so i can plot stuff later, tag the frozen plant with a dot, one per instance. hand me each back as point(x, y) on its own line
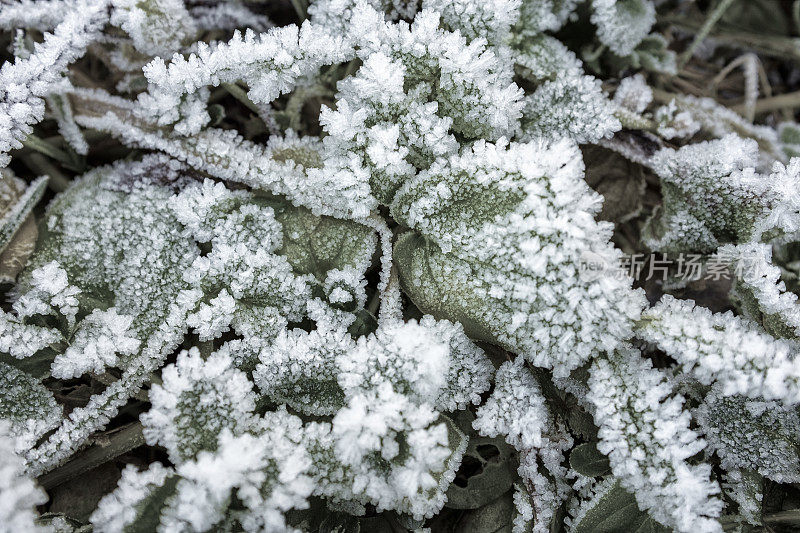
point(371, 265)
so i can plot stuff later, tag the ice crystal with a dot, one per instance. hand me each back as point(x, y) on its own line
point(725, 349)
point(196, 401)
point(27, 81)
point(645, 432)
point(20, 494)
point(713, 195)
point(492, 224)
point(752, 434)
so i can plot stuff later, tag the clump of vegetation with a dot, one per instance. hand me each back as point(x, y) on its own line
point(400, 265)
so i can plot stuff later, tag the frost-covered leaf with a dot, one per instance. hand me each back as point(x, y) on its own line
point(16, 203)
point(645, 433)
point(409, 453)
point(745, 487)
point(753, 435)
point(116, 243)
point(266, 472)
point(427, 361)
point(725, 349)
point(650, 54)
point(27, 405)
point(299, 369)
point(542, 58)
point(137, 502)
point(156, 27)
point(489, 20)
point(587, 460)
point(537, 16)
point(100, 338)
point(197, 400)
point(21, 341)
point(501, 228)
point(111, 241)
point(713, 195)
point(248, 483)
point(337, 252)
point(18, 492)
point(759, 290)
point(516, 409)
point(570, 106)
point(622, 24)
point(613, 509)
point(524, 514)
point(27, 80)
point(719, 121)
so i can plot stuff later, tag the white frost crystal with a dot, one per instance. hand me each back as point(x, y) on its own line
point(645, 433)
point(516, 409)
point(384, 449)
point(156, 27)
point(430, 361)
point(622, 24)
point(725, 349)
point(713, 195)
point(101, 336)
point(752, 434)
point(27, 406)
point(299, 369)
point(19, 494)
point(50, 293)
point(197, 400)
point(117, 510)
point(25, 82)
point(501, 233)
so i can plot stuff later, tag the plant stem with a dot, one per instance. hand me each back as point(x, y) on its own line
point(301, 8)
point(705, 29)
point(774, 103)
point(240, 94)
point(770, 45)
point(40, 145)
point(784, 517)
point(123, 441)
point(41, 165)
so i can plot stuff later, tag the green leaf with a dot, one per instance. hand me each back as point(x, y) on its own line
point(148, 510)
point(753, 435)
point(487, 470)
point(586, 459)
point(614, 510)
point(339, 523)
point(651, 54)
point(27, 404)
point(494, 517)
point(97, 229)
point(38, 365)
point(317, 245)
point(424, 274)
